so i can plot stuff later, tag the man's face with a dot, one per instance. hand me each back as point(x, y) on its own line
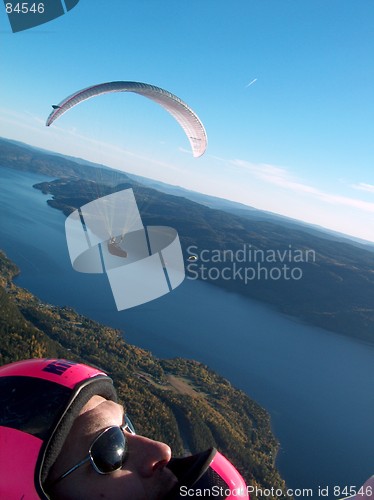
point(143, 476)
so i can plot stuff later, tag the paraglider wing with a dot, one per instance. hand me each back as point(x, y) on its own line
point(184, 115)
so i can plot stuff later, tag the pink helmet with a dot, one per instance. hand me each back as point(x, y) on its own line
point(39, 400)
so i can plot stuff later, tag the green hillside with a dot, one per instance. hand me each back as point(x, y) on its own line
point(195, 407)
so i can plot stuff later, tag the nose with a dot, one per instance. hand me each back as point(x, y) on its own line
point(147, 455)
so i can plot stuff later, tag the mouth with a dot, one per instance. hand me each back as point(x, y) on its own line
point(168, 482)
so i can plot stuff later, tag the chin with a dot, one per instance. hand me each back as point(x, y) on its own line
point(166, 481)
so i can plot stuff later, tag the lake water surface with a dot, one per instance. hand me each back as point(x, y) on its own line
point(317, 385)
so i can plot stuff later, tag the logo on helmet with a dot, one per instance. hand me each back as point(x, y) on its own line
point(58, 367)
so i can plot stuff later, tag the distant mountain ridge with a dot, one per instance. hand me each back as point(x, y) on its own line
point(334, 290)
point(243, 210)
point(230, 206)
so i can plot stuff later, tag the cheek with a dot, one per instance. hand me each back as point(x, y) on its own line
point(122, 485)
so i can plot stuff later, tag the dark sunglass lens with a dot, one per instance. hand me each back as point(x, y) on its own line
point(108, 452)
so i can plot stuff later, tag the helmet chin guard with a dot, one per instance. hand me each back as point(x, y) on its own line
point(206, 474)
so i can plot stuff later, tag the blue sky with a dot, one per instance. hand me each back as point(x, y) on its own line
point(298, 141)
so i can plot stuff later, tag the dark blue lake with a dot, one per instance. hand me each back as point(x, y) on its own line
point(317, 385)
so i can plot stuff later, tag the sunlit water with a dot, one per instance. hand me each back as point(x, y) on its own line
point(316, 385)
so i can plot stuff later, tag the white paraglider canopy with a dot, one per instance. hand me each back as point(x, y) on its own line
point(182, 113)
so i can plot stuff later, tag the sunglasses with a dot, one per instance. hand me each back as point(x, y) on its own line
point(108, 452)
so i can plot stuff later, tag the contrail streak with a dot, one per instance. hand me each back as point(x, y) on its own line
point(251, 83)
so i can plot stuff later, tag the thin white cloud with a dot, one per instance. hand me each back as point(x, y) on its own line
point(362, 186)
point(185, 151)
point(14, 119)
point(116, 153)
point(50, 138)
point(279, 176)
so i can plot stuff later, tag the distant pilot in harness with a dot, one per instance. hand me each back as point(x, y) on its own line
point(64, 436)
point(114, 247)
